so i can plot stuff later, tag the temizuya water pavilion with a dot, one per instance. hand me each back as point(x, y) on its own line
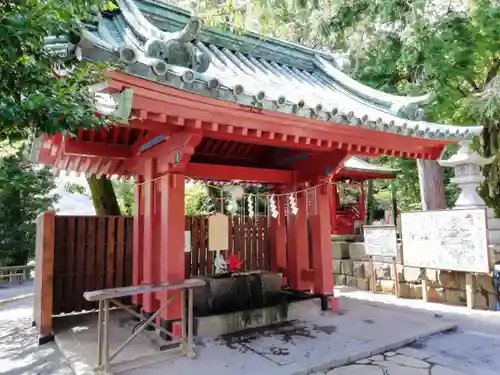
point(210, 105)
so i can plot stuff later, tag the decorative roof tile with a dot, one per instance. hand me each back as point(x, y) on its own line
point(287, 78)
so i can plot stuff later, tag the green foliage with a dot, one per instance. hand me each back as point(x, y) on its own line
point(32, 96)
point(25, 192)
point(124, 191)
point(197, 200)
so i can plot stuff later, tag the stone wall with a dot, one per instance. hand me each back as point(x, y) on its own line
point(351, 268)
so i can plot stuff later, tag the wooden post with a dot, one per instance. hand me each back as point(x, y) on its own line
point(425, 295)
point(332, 194)
point(396, 276)
point(373, 278)
point(278, 239)
point(362, 206)
point(298, 245)
point(44, 274)
point(321, 244)
point(171, 247)
point(148, 259)
point(137, 265)
point(470, 289)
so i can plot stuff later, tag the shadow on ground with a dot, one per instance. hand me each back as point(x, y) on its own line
point(19, 350)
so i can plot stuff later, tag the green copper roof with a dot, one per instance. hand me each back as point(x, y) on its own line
point(165, 44)
point(356, 164)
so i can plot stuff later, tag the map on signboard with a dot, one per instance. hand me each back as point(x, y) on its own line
point(380, 240)
point(455, 240)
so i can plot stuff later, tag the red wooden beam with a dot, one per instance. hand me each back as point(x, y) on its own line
point(227, 173)
point(91, 149)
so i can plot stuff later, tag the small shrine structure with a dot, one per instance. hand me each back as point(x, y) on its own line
point(196, 102)
point(355, 171)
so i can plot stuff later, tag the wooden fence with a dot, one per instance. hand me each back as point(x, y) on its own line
point(90, 253)
point(248, 240)
point(75, 254)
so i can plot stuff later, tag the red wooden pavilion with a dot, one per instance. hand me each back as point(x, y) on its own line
point(201, 103)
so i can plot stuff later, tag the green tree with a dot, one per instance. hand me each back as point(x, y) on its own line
point(44, 89)
point(25, 192)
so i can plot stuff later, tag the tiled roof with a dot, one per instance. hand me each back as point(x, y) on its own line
point(268, 74)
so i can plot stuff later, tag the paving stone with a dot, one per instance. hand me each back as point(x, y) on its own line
point(377, 357)
point(408, 361)
point(356, 370)
point(390, 354)
point(440, 370)
point(413, 352)
point(363, 361)
point(395, 369)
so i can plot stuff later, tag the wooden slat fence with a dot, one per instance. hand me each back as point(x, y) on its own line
point(248, 240)
point(90, 253)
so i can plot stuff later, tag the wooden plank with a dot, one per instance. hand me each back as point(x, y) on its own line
point(69, 296)
point(248, 243)
point(260, 243)
point(99, 295)
point(195, 243)
point(241, 241)
point(187, 255)
point(266, 246)
point(100, 254)
point(120, 252)
point(202, 247)
point(59, 263)
point(210, 269)
point(90, 258)
point(129, 249)
point(80, 263)
point(110, 252)
point(44, 273)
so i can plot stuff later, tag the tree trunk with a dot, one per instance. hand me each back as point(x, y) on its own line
point(103, 196)
point(430, 176)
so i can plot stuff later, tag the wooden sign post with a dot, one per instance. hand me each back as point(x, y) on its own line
point(452, 240)
point(381, 241)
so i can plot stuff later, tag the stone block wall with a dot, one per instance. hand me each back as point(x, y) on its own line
point(351, 268)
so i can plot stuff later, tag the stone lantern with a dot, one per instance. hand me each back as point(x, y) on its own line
point(467, 165)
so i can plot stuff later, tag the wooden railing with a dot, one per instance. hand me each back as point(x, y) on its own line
point(16, 274)
point(108, 296)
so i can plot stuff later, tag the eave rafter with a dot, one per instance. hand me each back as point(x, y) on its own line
point(162, 108)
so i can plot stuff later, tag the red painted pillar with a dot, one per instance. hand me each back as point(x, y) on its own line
point(332, 200)
point(172, 258)
point(150, 304)
point(322, 250)
point(137, 265)
point(362, 206)
point(278, 240)
point(298, 245)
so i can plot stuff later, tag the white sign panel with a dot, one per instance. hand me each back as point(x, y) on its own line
point(455, 240)
point(187, 241)
point(380, 240)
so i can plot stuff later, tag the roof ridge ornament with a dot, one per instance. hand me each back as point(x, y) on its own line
point(175, 48)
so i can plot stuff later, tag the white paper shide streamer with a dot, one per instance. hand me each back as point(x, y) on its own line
point(251, 212)
point(293, 204)
point(272, 207)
